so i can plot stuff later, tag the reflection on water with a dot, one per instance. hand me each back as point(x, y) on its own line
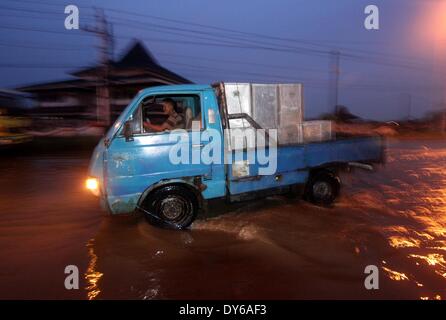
point(394, 218)
point(272, 248)
point(413, 187)
point(432, 259)
point(402, 242)
point(92, 276)
point(394, 275)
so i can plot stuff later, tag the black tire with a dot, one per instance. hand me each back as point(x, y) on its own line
point(323, 188)
point(172, 207)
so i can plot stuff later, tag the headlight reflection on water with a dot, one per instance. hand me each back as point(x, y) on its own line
point(92, 276)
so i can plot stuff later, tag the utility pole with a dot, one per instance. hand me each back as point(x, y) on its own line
point(409, 107)
point(406, 106)
point(104, 31)
point(334, 80)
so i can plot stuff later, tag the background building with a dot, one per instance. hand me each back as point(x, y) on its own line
point(116, 83)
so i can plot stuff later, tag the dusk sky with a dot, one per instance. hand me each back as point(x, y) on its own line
point(382, 71)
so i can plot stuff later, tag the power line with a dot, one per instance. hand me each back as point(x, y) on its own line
point(353, 55)
point(240, 62)
point(275, 38)
point(51, 48)
point(83, 48)
point(31, 66)
point(67, 32)
point(220, 43)
point(300, 41)
point(189, 23)
point(39, 12)
point(300, 50)
point(181, 31)
point(235, 71)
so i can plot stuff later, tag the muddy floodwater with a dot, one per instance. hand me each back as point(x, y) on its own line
point(275, 248)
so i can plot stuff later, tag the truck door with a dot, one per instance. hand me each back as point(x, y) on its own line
point(135, 164)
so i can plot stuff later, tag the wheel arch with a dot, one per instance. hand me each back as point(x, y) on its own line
point(173, 182)
point(332, 168)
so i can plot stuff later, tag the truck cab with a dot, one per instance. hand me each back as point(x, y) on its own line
point(169, 175)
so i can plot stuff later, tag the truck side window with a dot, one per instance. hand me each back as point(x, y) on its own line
point(170, 112)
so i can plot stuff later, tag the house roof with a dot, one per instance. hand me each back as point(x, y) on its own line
point(139, 60)
point(137, 56)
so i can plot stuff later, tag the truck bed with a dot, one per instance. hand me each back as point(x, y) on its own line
point(295, 162)
point(317, 154)
point(359, 149)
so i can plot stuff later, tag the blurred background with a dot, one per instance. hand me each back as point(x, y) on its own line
point(61, 89)
point(75, 82)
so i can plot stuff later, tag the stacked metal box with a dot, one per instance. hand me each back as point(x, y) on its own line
point(276, 106)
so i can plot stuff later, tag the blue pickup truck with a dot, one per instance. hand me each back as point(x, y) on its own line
point(137, 169)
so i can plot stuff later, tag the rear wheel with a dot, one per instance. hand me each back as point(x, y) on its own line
point(173, 207)
point(323, 188)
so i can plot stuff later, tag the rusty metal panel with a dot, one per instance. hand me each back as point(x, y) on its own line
point(275, 106)
point(238, 97)
point(314, 131)
point(291, 134)
point(291, 104)
point(238, 100)
point(305, 132)
point(240, 169)
point(265, 105)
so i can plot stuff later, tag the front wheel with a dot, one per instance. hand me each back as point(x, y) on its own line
point(323, 188)
point(172, 207)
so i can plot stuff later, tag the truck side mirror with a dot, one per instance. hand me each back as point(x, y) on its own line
point(128, 131)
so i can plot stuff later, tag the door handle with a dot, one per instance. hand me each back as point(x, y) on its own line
point(197, 145)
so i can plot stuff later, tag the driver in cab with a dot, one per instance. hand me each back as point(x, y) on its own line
point(174, 120)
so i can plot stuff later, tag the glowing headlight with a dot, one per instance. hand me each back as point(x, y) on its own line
point(92, 185)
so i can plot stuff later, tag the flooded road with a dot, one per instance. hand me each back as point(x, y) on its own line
point(275, 248)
